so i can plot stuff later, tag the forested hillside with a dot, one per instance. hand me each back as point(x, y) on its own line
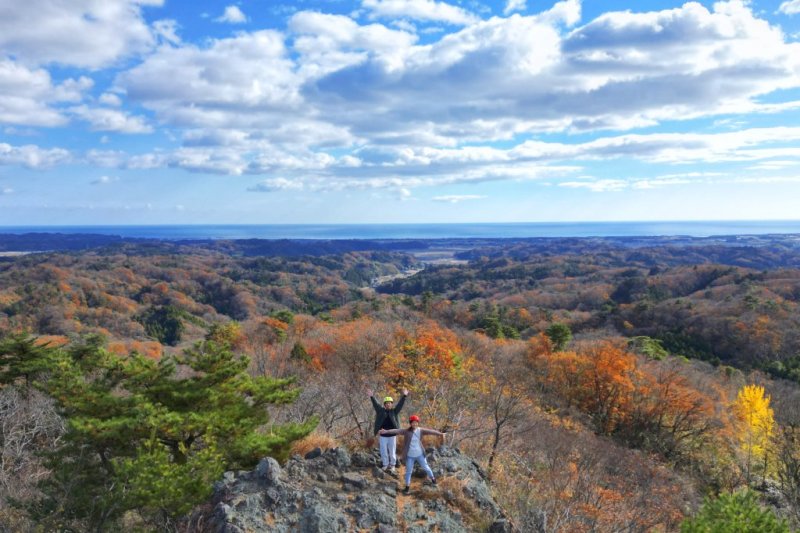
point(602, 386)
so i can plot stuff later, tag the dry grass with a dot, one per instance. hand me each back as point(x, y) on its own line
point(452, 490)
point(313, 441)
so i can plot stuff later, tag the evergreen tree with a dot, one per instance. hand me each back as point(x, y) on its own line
point(153, 436)
point(164, 324)
point(559, 334)
point(299, 353)
point(21, 358)
point(734, 513)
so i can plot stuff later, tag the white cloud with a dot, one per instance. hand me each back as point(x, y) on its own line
point(81, 33)
point(603, 185)
point(328, 43)
point(376, 86)
point(232, 15)
point(775, 164)
point(276, 184)
point(426, 10)
point(167, 31)
point(31, 156)
point(791, 7)
point(401, 114)
point(105, 119)
point(248, 79)
point(6, 190)
point(456, 198)
point(690, 62)
point(769, 179)
point(110, 99)
point(514, 5)
point(30, 97)
point(412, 167)
point(105, 180)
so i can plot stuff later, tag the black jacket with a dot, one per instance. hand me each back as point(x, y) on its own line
point(381, 413)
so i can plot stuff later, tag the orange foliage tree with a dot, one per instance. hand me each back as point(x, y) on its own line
point(599, 379)
point(431, 363)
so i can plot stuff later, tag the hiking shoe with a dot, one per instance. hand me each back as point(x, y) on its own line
point(407, 489)
point(433, 482)
point(392, 471)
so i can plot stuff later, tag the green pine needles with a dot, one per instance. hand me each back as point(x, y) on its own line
point(146, 435)
point(737, 512)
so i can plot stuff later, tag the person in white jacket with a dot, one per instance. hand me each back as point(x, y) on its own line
point(413, 450)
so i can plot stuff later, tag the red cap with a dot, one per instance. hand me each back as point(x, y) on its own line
point(413, 418)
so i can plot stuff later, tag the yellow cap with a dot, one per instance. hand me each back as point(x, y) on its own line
point(388, 399)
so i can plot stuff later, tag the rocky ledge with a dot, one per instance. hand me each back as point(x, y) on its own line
point(334, 491)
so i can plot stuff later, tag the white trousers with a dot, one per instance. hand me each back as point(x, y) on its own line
point(388, 450)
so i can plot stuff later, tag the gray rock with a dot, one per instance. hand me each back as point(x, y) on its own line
point(269, 471)
point(501, 526)
point(300, 497)
point(316, 452)
point(321, 518)
point(366, 459)
point(338, 457)
point(355, 480)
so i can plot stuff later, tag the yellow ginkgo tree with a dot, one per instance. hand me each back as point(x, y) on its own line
point(755, 426)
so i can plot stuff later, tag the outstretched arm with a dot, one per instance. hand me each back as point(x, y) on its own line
point(390, 432)
point(401, 402)
point(428, 431)
point(375, 404)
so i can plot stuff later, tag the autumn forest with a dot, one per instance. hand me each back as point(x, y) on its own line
point(601, 384)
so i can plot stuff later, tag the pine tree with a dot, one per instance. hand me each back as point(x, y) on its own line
point(734, 513)
point(559, 334)
point(153, 436)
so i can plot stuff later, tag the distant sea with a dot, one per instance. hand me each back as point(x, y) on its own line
point(427, 231)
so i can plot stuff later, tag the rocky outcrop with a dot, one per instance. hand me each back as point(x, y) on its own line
point(333, 491)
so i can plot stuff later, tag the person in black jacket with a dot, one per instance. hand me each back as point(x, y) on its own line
point(386, 418)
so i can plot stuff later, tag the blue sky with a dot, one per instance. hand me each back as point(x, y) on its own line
point(381, 111)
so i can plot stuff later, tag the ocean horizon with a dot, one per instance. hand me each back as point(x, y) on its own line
point(424, 231)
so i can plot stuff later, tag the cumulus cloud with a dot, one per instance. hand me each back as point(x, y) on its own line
point(514, 5)
point(456, 198)
point(396, 168)
point(232, 15)
point(401, 113)
point(105, 119)
point(167, 31)
point(31, 98)
point(377, 86)
point(329, 43)
point(110, 99)
point(247, 80)
point(426, 10)
point(791, 7)
point(81, 33)
point(31, 156)
point(689, 61)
